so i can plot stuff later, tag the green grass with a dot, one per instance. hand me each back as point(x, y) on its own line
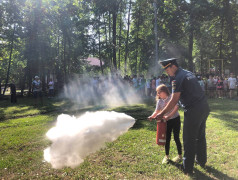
point(134, 155)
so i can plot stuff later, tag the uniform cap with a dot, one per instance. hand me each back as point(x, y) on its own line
point(36, 77)
point(168, 62)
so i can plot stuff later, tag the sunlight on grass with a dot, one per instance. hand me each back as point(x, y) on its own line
point(20, 111)
point(134, 155)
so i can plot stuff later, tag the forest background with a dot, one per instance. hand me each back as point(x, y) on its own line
point(52, 38)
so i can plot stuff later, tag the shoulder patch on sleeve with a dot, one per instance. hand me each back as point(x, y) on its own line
point(173, 85)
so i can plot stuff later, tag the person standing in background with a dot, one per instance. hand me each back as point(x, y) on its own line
point(51, 88)
point(232, 85)
point(225, 87)
point(134, 81)
point(237, 85)
point(201, 82)
point(148, 87)
point(37, 90)
point(211, 87)
point(220, 87)
point(158, 81)
point(143, 82)
point(153, 86)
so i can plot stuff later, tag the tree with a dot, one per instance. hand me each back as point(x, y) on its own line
point(229, 16)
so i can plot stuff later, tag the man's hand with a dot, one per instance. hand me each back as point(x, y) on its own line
point(159, 117)
point(166, 118)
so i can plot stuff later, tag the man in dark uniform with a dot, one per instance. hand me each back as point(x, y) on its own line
point(185, 87)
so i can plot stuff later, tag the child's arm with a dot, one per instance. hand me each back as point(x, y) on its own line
point(154, 114)
point(167, 117)
point(157, 111)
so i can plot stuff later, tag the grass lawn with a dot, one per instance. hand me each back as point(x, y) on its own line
point(134, 155)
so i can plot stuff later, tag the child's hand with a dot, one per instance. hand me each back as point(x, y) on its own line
point(166, 118)
point(150, 118)
point(159, 117)
point(158, 121)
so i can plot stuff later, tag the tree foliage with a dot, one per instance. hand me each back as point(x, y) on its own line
point(54, 37)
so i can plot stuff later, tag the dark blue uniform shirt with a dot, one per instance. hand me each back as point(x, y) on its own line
point(187, 84)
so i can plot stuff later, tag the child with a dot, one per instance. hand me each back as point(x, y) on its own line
point(51, 88)
point(211, 87)
point(220, 87)
point(37, 89)
point(173, 122)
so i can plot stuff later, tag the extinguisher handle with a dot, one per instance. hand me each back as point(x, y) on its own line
point(162, 120)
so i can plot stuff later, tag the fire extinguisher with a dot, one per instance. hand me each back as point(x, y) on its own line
point(161, 132)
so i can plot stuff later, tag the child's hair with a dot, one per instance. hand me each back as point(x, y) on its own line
point(161, 88)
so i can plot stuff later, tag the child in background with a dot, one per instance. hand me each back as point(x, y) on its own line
point(148, 87)
point(51, 88)
point(37, 90)
point(220, 87)
point(173, 122)
point(232, 85)
point(225, 87)
point(211, 87)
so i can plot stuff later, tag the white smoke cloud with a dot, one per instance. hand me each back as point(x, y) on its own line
point(110, 91)
point(75, 138)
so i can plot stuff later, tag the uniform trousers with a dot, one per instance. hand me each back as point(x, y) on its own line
point(194, 136)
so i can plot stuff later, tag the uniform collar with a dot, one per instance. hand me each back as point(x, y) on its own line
point(179, 69)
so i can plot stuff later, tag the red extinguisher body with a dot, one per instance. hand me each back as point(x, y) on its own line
point(161, 133)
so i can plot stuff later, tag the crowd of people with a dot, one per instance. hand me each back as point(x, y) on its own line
point(221, 86)
point(215, 86)
point(37, 89)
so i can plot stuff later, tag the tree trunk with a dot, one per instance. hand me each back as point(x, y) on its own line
point(10, 59)
point(191, 34)
point(190, 50)
point(156, 35)
point(114, 30)
point(220, 46)
point(23, 83)
point(127, 39)
point(29, 76)
point(201, 64)
point(69, 55)
point(232, 35)
point(64, 58)
point(107, 47)
point(33, 65)
point(137, 40)
point(119, 52)
point(99, 45)
point(110, 42)
point(105, 28)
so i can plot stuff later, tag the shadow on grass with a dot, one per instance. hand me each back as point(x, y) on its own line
point(217, 174)
point(213, 173)
point(231, 123)
point(2, 115)
point(26, 107)
point(140, 113)
point(224, 111)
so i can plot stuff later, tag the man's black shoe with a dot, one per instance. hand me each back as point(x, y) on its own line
point(189, 173)
point(202, 165)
